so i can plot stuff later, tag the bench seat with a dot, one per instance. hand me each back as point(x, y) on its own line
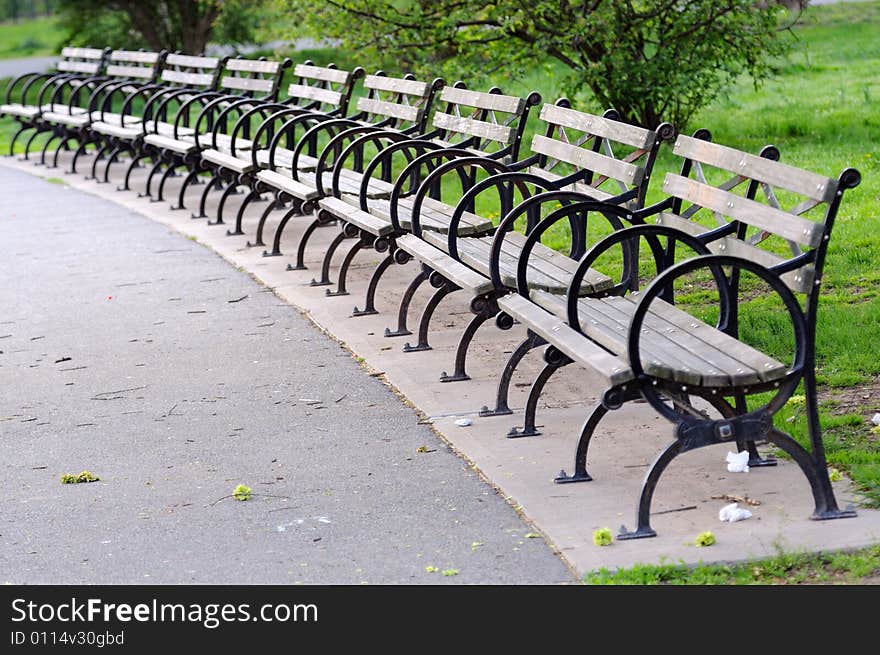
point(548, 270)
point(675, 345)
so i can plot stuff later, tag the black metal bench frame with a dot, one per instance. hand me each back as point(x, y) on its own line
point(627, 377)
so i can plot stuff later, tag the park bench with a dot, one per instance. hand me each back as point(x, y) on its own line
point(727, 207)
point(147, 108)
point(395, 106)
point(244, 84)
point(126, 71)
point(578, 156)
point(74, 67)
point(472, 124)
point(317, 94)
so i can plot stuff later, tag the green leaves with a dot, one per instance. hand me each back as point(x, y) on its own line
point(653, 60)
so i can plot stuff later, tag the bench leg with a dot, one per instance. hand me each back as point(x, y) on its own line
point(272, 206)
point(583, 447)
point(320, 221)
point(643, 513)
point(112, 157)
point(580, 459)
point(203, 200)
point(403, 310)
point(484, 308)
point(276, 241)
point(27, 144)
point(21, 130)
point(171, 171)
point(228, 191)
point(61, 146)
point(239, 215)
point(343, 270)
point(555, 360)
point(502, 407)
point(189, 179)
point(99, 156)
point(45, 148)
point(370, 302)
point(444, 288)
point(325, 265)
point(755, 459)
point(133, 164)
point(155, 169)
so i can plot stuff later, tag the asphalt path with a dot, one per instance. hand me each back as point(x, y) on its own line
point(134, 353)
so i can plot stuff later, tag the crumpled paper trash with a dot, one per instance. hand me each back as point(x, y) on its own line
point(738, 462)
point(733, 513)
point(876, 419)
point(463, 422)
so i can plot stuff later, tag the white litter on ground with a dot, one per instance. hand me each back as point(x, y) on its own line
point(876, 419)
point(463, 422)
point(733, 513)
point(738, 462)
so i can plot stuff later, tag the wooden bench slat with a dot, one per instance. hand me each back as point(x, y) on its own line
point(615, 370)
point(356, 216)
point(473, 127)
point(141, 72)
point(82, 53)
point(631, 135)
point(191, 61)
point(314, 93)
point(483, 100)
point(246, 84)
point(750, 212)
point(799, 280)
point(321, 73)
point(766, 368)
point(397, 85)
point(170, 143)
point(189, 79)
point(659, 357)
point(409, 113)
point(580, 187)
point(253, 65)
point(287, 184)
point(670, 338)
point(228, 161)
point(601, 164)
point(774, 173)
point(134, 56)
point(89, 67)
point(453, 270)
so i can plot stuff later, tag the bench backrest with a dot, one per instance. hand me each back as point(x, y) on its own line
point(322, 88)
point(88, 61)
point(191, 71)
point(134, 64)
point(253, 77)
point(597, 153)
point(400, 103)
point(749, 195)
point(488, 122)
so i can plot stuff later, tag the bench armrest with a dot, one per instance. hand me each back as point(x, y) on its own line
point(456, 165)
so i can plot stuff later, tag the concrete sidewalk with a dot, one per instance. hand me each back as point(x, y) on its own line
point(688, 497)
point(133, 352)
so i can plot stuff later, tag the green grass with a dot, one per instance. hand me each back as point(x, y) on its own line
point(29, 38)
point(784, 568)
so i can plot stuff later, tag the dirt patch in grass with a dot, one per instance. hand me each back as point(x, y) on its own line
point(861, 399)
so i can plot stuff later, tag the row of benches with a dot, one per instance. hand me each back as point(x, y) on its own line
point(420, 170)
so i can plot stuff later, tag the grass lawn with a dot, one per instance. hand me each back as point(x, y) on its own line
point(821, 110)
point(29, 38)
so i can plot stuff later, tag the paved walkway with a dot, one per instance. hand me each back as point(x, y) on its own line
point(137, 354)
